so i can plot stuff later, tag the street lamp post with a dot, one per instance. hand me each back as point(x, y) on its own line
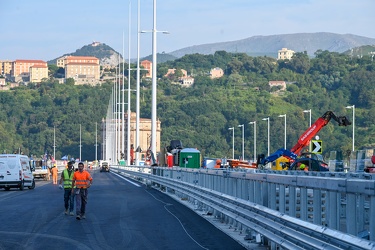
point(128, 160)
point(54, 143)
point(137, 109)
point(154, 84)
point(243, 140)
point(352, 107)
point(309, 111)
point(268, 134)
point(80, 142)
point(284, 129)
point(232, 128)
point(255, 139)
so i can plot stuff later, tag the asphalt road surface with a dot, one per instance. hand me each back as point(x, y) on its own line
point(120, 214)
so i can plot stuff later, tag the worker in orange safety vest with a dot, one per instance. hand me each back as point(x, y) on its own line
point(54, 171)
point(82, 180)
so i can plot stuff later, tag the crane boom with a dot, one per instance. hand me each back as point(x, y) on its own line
point(304, 139)
point(322, 121)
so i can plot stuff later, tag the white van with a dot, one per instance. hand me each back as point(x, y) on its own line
point(15, 172)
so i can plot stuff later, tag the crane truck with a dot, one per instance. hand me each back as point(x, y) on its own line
point(303, 140)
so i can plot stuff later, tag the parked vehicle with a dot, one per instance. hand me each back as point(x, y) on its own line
point(309, 162)
point(41, 172)
point(104, 166)
point(15, 172)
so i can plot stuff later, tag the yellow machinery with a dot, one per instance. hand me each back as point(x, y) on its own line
point(281, 163)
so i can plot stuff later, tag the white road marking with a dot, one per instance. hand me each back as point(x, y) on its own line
point(122, 177)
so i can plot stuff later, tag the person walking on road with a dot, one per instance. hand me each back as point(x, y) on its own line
point(82, 180)
point(54, 174)
point(67, 178)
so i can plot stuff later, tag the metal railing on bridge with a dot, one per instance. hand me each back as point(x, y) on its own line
point(291, 209)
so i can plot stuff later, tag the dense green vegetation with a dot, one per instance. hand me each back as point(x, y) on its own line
point(201, 115)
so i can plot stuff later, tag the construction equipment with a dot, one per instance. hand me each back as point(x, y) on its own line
point(304, 139)
point(371, 169)
point(234, 163)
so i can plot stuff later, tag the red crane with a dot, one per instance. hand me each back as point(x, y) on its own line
point(304, 139)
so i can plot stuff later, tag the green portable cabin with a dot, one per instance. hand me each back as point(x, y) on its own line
point(190, 158)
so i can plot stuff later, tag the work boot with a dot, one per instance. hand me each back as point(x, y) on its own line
point(66, 211)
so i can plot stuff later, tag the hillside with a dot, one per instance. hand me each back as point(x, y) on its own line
point(269, 45)
point(253, 46)
point(108, 56)
point(200, 116)
point(105, 53)
point(361, 51)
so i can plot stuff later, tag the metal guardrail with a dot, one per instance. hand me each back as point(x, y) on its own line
point(268, 203)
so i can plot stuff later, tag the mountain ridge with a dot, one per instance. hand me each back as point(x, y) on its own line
point(253, 46)
point(269, 45)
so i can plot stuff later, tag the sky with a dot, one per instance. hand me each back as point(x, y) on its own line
point(45, 30)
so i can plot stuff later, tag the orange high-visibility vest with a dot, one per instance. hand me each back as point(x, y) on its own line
point(82, 179)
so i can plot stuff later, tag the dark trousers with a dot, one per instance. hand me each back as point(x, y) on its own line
point(81, 200)
point(69, 199)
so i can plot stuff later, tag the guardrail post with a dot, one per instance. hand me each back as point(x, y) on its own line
point(244, 189)
point(361, 214)
point(292, 201)
point(372, 221)
point(351, 205)
point(332, 216)
point(257, 193)
point(317, 206)
point(264, 194)
point(303, 204)
point(281, 198)
point(273, 197)
point(251, 188)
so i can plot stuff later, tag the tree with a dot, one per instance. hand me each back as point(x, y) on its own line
point(300, 62)
point(69, 81)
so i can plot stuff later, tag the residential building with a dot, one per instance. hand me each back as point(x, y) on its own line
point(83, 69)
point(172, 72)
point(5, 67)
point(285, 53)
point(62, 61)
point(186, 81)
point(21, 69)
point(277, 83)
point(148, 66)
point(216, 73)
point(38, 72)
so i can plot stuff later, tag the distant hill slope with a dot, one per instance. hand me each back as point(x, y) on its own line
point(161, 57)
point(366, 50)
point(269, 45)
point(109, 56)
point(103, 52)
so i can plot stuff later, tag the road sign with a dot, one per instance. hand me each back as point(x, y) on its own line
point(317, 146)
